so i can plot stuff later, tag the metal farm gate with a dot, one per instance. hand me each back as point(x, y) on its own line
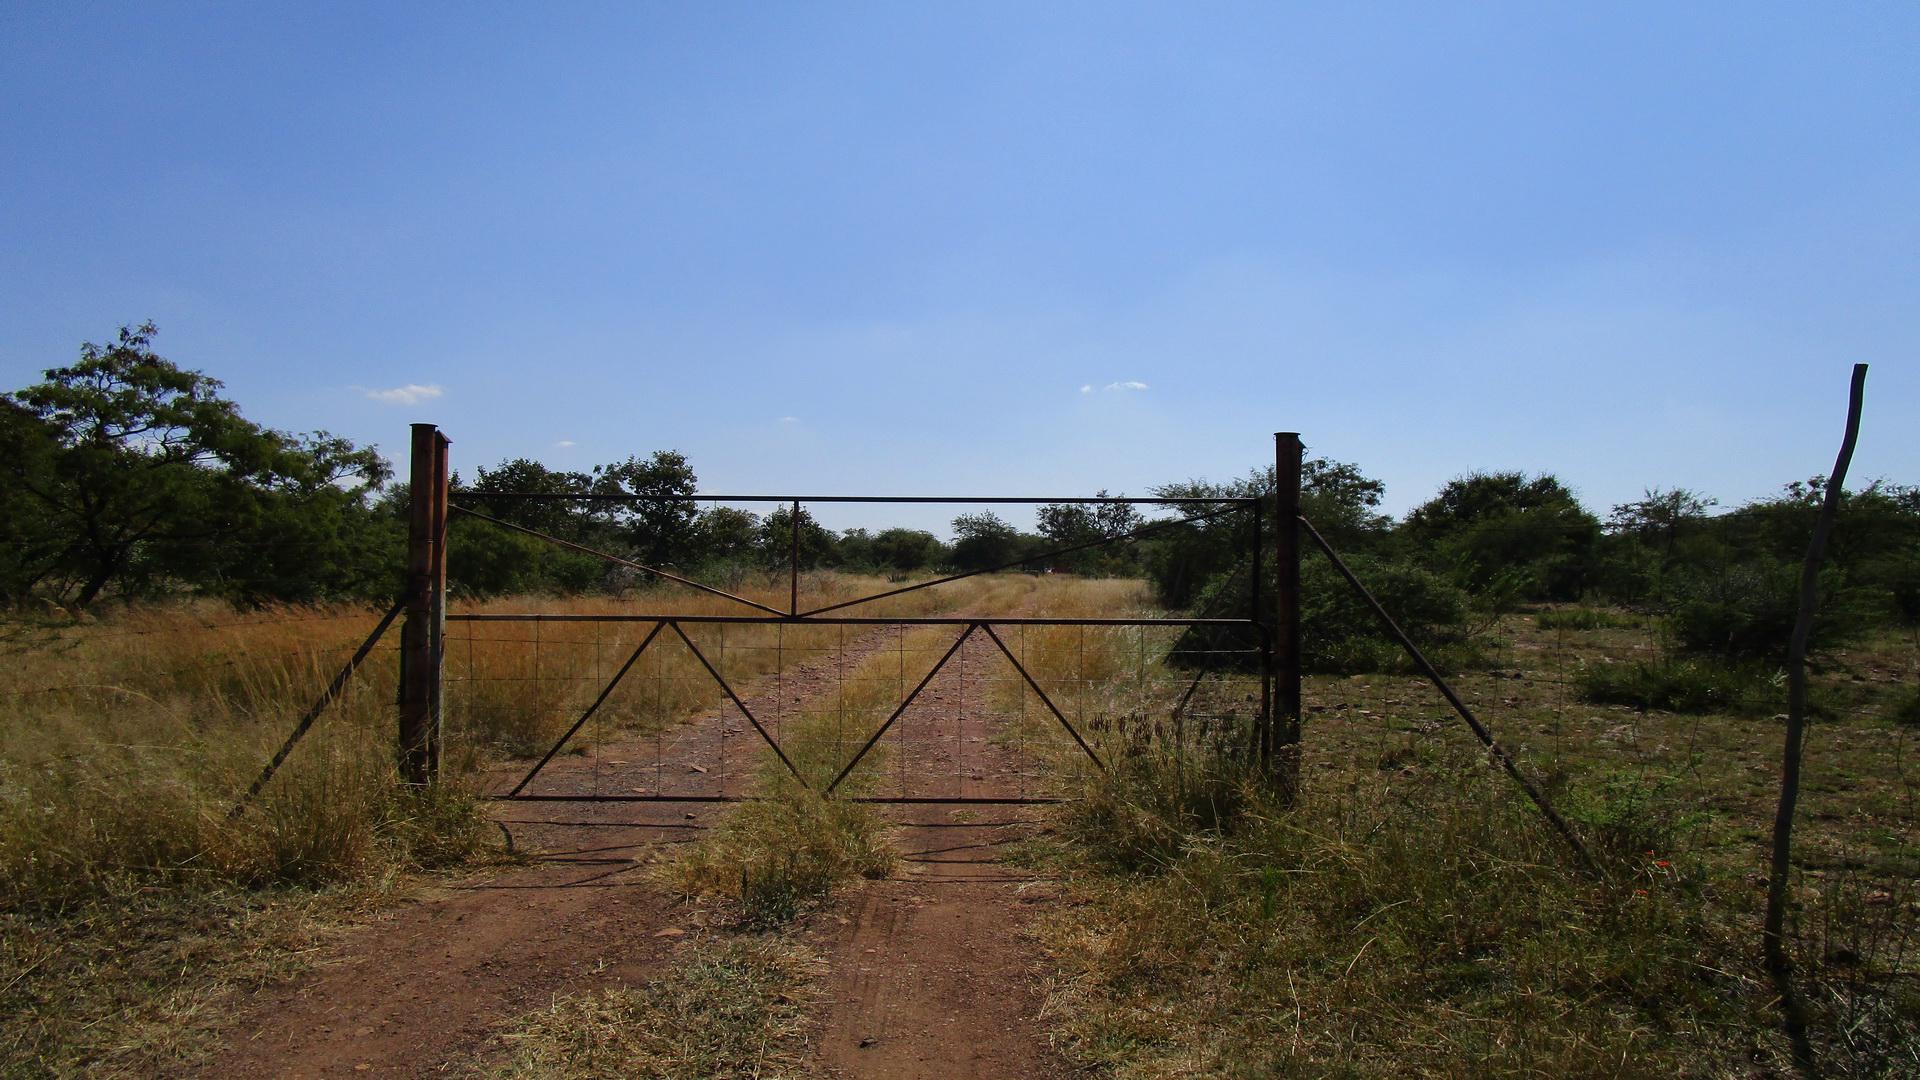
point(533, 683)
point(904, 694)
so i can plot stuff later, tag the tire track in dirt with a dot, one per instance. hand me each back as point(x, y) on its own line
point(931, 973)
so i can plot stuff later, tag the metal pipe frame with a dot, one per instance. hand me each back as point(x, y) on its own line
point(837, 620)
point(994, 500)
point(1211, 508)
point(607, 691)
point(983, 800)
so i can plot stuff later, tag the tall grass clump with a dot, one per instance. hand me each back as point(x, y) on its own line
point(1577, 618)
point(131, 895)
point(130, 743)
point(72, 832)
point(1145, 812)
point(774, 856)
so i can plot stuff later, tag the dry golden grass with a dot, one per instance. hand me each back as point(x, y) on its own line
point(514, 687)
point(128, 893)
point(728, 1008)
point(1409, 917)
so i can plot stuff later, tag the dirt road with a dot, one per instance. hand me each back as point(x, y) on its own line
point(927, 974)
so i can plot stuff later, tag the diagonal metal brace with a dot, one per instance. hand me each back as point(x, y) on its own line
point(617, 560)
point(327, 696)
point(1132, 534)
point(605, 693)
point(954, 648)
point(1492, 745)
point(1044, 699)
point(741, 705)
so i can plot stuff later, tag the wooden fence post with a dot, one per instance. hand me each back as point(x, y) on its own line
point(422, 634)
point(1773, 933)
point(1285, 721)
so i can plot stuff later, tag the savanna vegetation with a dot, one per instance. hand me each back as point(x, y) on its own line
point(184, 581)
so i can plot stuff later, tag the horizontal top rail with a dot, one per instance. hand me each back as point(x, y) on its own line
point(623, 497)
point(836, 620)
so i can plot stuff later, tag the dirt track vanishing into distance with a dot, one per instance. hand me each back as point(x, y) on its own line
point(927, 973)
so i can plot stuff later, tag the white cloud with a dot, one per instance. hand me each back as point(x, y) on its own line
point(410, 394)
point(1087, 389)
point(564, 443)
point(1130, 384)
point(789, 419)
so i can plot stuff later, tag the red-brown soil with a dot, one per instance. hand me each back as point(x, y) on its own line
point(928, 974)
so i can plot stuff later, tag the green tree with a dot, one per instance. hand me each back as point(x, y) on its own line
point(566, 518)
point(133, 465)
point(817, 546)
point(982, 540)
point(1507, 533)
point(1074, 524)
point(855, 547)
point(1185, 560)
point(31, 539)
point(907, 550)
point(727, 534)
point(660, 529)
point(1658, 518)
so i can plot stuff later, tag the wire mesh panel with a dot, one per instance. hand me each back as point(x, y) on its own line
point(616, 707)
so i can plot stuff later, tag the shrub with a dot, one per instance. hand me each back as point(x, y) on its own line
point(1902, 583)
point(1681, 686)
point(1749, 610)
point(1906, 711)
point(1339, 633)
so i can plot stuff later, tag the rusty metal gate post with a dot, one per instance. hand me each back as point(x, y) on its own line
point(1284, 720)
point(423, 634)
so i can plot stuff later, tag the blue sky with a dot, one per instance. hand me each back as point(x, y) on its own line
point(986, 248)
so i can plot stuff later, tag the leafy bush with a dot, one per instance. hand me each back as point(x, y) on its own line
point(1906, 712)
point(1749, 610)
point(486, 560)
point(1529, 530)
point(1681, 686)
point(1339, 633)
point(1902, 583)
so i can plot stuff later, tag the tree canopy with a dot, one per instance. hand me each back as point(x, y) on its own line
point(126, 468)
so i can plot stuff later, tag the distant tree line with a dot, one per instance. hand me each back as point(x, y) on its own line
point(1724, 584)
point(128, 476)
